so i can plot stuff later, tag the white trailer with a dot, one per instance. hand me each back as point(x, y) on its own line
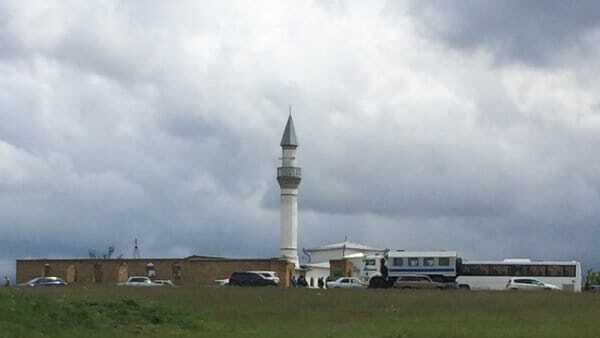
point(381, 271)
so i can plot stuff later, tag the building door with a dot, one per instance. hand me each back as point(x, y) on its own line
point(71, 274)
point(98, 273)
point(123, 273)
point(47, 270)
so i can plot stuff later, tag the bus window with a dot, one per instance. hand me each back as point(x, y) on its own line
point(398, 261)
point(554, 270)
point(569, 270)
point(499, 270)
point(444, 261)
point(413, 261)
point(428, 261)
point(537, 270)
point(518, 270)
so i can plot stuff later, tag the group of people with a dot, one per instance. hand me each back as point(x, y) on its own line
point(301, 282)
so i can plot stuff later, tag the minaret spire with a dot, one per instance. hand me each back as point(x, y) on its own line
point(289, 177)
point(289, 138)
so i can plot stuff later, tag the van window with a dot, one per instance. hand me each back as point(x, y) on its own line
point(444, 261)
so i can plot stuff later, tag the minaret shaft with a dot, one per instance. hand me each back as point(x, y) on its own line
point(289, 177)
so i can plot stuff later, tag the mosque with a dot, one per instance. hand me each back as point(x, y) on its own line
point(338, 259)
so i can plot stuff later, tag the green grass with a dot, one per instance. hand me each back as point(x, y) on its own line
point(272, 312)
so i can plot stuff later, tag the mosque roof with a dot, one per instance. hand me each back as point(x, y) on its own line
point(345, 244)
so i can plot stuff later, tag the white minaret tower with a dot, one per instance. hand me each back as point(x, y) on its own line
point(289, 176)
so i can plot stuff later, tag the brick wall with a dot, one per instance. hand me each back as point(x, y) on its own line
point(340, 268)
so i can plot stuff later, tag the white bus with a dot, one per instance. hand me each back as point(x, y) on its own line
point(494, 275)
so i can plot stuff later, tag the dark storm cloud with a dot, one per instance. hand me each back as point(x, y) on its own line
point(537, 33)
point(163, 123)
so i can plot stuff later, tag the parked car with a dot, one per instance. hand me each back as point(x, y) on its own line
point(45, 281)
point(272, 275)
point(346, 283)
point(139, 281)
point(419, 282)
point(250, 279)
point(165, 282)
point(593, 288)
point(517, 283)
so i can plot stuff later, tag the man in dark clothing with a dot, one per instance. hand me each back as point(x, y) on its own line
point(384, 270)
point(320, 282)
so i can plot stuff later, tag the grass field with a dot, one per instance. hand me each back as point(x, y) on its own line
point(272, 312)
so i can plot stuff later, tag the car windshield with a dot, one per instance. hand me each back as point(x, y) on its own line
point(268, 275)
point(138, 280)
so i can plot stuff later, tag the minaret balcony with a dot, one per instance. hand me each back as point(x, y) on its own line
point(291, 172)
point(289, 177)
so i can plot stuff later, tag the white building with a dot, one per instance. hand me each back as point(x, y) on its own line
point(340, 250)
point(318, 259)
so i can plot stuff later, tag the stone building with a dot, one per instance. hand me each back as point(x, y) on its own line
point(192, 270)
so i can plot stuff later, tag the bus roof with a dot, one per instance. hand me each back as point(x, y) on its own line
point(521, 262)
point(422, 254)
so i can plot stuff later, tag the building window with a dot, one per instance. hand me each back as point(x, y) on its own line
point(413, 261)
point(398, 261)
point(428, 261)
point(150, 271)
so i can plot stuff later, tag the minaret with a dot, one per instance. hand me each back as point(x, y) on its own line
point(289, 176)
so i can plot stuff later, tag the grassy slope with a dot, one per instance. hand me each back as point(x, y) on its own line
point(270, 312)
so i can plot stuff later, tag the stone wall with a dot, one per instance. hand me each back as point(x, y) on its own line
point(189, 271)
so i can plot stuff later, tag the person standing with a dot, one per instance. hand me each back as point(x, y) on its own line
point(6, 281)
point(292, 281)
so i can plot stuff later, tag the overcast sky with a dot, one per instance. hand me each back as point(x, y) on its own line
point(471, 126)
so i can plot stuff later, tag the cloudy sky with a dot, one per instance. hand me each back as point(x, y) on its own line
point(471, 125)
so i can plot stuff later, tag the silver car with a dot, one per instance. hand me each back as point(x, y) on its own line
point(520, 283)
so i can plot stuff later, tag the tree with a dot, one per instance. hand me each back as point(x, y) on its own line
point(593, 278)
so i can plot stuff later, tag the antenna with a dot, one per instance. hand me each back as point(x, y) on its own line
point(290, 109)
point(136, 249)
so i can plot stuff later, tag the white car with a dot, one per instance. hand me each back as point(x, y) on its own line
point(519, 283)
point(272, 275)
point(139, 281)
point(165, 282)
point(346, 283)
point(222, 282)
